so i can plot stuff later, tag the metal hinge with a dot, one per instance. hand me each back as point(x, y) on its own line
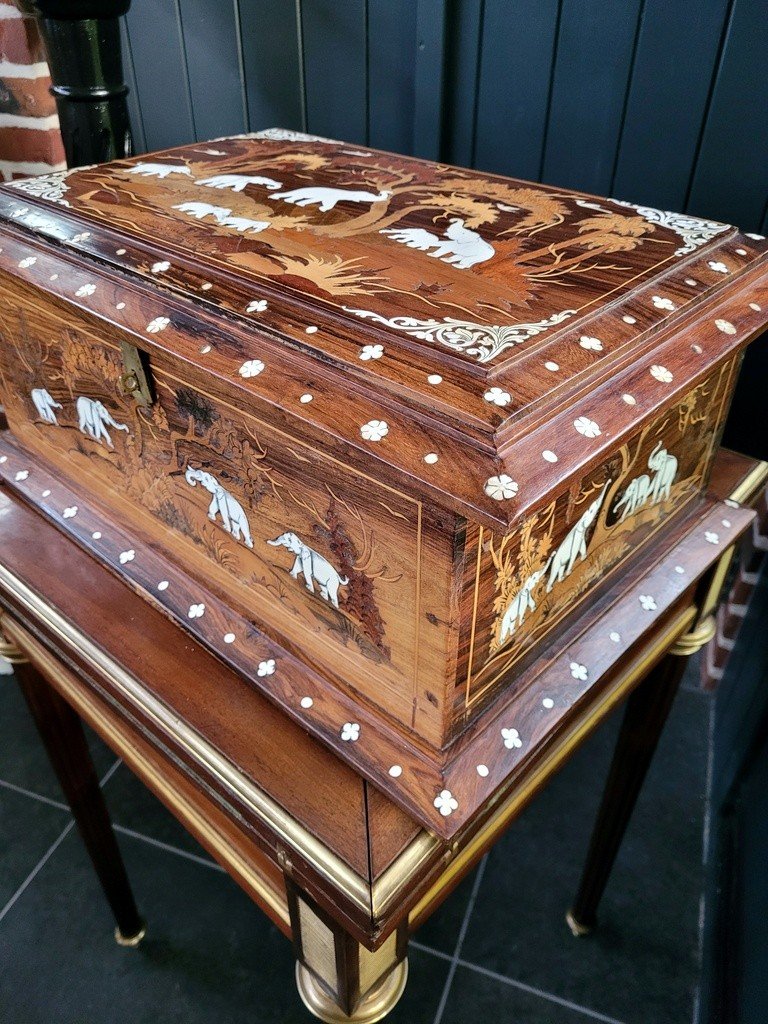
point(136, 380)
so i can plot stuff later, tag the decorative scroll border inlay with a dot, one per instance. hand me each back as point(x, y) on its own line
point(485, 341)
point(693, 231)
point(50, 187)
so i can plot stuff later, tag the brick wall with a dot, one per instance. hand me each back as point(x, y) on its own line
point(30, 142)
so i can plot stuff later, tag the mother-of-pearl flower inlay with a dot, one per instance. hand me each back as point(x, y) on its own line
point(647, 603)
point(511, 738)
point(374, 430)
point(251, 368)
point(446, 802)
point(661, 374)
point(158, 324)
point(578, 671)
point(497, 396)
point(266, 668)
point(371, 352)
point(590, 344)
point(587, 427)
point(501, 487)
point(662, 303)
point(725, 326)
point(350, 732)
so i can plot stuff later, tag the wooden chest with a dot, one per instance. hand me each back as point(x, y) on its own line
point(372, 428)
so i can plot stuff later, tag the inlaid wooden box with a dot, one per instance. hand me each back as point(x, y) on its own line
point(375, 429)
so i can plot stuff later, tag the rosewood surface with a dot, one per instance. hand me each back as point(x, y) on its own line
point(374, 430)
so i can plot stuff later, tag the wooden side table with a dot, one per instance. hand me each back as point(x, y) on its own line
point(335, 864)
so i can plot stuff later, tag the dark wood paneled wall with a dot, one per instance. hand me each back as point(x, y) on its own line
point(658, 102)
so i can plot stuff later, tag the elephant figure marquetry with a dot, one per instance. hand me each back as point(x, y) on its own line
point(521, 604)
point(664, 467)
point(637, 493)
point(45, 405)
point(94, 418)
point(233, 517)
point(315, 568)
point(574, 544)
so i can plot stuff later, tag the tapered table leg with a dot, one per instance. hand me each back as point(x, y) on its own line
point(645, 714)
point(62, 734)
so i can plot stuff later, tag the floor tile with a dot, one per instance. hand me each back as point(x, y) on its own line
point(441, 930)
point(133, 806)
point(642, 962)
point(209, 955)
point(476, 997)
point(27, 830)
point(23, 760)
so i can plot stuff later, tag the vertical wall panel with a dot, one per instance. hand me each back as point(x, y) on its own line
point(271, 63)
point(517, 51)
point(463, 54)
point(160, 69)
point(134, 107)
point(431, 37)
point(210, 39)
point(391, 70)
point(731, 177)
point(594, 55)
point(671, 79)
point(335, 68)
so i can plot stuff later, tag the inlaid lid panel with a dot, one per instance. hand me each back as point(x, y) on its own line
point(489, 306)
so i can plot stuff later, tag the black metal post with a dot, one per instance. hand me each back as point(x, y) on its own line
point(82, 40)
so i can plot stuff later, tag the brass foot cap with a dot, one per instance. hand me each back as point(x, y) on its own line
point(130, 941)
point(577, 928)
point(373, 1007)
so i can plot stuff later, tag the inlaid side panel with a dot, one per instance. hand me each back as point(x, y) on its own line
point(344, 570)
point(518, 587)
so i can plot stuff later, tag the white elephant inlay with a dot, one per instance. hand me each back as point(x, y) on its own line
point(223, 216)
point(574, 544)
point(94, 418)
point(460, 247)
point(237, 182)
point(158, 170)
point(233, 517)
point(314, 566)
point(521, 604)
point(45, 405)
point(326, 198)
point(655, 489)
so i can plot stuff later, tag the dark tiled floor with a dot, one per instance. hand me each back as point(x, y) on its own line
point(498, 948)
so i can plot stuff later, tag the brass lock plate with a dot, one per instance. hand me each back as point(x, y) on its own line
point(135, 381)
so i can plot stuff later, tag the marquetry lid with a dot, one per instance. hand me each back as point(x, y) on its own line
point(520, 327)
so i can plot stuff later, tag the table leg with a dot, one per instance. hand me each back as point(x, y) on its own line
point(62, 734)
point(645, 714)
point(338, 979)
